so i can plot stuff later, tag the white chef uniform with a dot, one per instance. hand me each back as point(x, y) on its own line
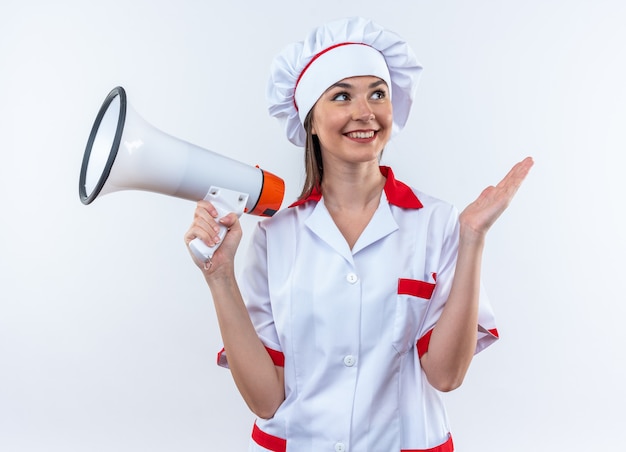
point(349, 326)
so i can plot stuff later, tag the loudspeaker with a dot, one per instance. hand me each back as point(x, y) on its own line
point(124, 152)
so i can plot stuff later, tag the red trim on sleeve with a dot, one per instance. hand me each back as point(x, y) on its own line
point(270, 442)
point(415, 287)
point(423, 343)
point(219, 356)
point(278, 358)
point(445, 447)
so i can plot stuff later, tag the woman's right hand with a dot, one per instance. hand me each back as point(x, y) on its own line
point(206, 227)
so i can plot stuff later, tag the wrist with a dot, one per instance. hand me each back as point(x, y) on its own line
point(218, 275)
point(471, 236)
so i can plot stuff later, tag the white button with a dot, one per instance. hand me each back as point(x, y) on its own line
point(349, 360)
point(340, 447)
point(352, 278)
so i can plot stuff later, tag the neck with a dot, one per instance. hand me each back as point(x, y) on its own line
point(355, 187)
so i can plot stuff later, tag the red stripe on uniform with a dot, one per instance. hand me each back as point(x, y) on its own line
point(416, 288)
point(423, 343)
point(445, 447)
point(270, 442)
point(278, 358)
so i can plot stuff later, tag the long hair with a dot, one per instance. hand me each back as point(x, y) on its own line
point(313, 164)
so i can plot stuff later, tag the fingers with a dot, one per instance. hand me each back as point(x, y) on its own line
point(205, 224)
point(231, 220)
point(509, 185)
point(212, 231)
point(518, 173)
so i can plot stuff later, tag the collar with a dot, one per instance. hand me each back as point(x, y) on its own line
point(398, 193)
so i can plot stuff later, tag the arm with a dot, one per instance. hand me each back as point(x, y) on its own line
point(259, 381)
point(453, 341)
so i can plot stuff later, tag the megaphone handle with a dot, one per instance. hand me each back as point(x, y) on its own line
point(224, 201)
point(201, 251)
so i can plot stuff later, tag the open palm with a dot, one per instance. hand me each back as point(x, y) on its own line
point(481, 214)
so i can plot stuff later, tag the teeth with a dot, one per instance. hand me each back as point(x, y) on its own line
point(369, 134)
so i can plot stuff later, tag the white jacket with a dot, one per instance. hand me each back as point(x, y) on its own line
point(347, 324)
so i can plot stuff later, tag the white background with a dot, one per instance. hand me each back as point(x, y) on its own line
point(107, 331)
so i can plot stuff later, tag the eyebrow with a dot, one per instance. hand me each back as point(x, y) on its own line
point(348, 85)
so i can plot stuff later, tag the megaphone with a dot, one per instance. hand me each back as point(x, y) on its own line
point(124, 152)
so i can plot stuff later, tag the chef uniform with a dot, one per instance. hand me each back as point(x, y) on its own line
point(349, 326)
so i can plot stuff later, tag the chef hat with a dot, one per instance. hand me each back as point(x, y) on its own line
point(351, 47)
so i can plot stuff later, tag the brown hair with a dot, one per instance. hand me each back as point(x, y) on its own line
point(313, 164)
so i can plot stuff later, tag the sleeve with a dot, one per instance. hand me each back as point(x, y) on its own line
point(487, 331)
point(253, 283)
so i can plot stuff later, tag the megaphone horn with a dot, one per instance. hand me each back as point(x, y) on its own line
point(124, 152)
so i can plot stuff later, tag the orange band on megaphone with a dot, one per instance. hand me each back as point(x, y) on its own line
point(271, 196)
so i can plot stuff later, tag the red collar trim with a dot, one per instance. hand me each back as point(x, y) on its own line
point(398, 193)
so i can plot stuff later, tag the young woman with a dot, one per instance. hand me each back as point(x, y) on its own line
point(362, 301)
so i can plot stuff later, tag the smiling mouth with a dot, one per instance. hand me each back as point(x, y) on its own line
point(361, 135)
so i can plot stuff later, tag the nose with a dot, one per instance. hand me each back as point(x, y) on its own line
point(362, 111)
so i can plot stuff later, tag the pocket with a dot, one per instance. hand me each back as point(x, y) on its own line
point(411, 304)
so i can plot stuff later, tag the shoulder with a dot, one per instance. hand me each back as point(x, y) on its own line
point(276, 237)
point(436, 216)
point(433, 203)
point(287, 217)
point(408, 198)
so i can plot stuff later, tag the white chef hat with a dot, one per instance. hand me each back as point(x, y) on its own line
point(351, 47)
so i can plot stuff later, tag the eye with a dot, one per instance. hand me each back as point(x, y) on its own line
point(380, 94)
point(341, 96)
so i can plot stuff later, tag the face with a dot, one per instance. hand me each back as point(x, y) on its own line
point(353, 120)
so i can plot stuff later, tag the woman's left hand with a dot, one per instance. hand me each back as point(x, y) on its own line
point(480, 215)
